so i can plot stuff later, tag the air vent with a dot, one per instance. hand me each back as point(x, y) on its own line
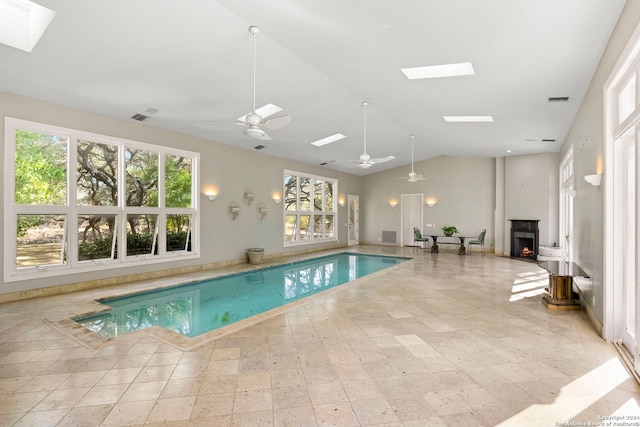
point(548, 140)
point(558, 98)
point(139, 117)
point(324, 163)
point(259, 147)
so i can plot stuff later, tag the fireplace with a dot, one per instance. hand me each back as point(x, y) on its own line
point(524, 238)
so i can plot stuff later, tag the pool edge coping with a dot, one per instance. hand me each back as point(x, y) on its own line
point(95, 342)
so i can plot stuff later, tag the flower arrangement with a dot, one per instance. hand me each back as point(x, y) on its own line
point(449, 230)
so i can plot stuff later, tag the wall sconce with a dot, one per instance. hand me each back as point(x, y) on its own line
point(431, 202)
point(276, 198)
point(211, 196)
point(248, 196)
point(262, 210)
point(341, 201)
point(393, 203)
point(234, 210)
point(594, 179)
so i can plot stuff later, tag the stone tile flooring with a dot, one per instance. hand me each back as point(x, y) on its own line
point(442, 340)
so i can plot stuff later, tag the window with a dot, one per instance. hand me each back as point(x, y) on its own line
point(627, 99)
point(82, 202)
point(309, 208)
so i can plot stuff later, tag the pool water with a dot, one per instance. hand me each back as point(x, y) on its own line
point(201, 307)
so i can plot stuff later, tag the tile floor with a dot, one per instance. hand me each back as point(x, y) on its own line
point(442, 340)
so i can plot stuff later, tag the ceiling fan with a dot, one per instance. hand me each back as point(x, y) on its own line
point(263, 115)
point(365, 161)
point(412, 177)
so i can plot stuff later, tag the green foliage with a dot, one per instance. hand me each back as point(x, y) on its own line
point(40, 169)
point(177, 182)
point(140, 244)
point(449, 229)
point(26, 222)
point(137, 244)
point(177, 241)
point(96, 249)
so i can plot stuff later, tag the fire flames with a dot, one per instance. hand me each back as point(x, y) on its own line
point(527, 252)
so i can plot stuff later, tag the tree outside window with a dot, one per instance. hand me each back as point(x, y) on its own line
point(308, 208)
point(67, 217)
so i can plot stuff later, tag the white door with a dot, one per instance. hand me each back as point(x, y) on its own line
point(410, 216)
point(354, 220)
point(567, 193)
point(628, 216)
point(624, 261)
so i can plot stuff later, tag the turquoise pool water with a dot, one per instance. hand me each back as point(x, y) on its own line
point(201, 307)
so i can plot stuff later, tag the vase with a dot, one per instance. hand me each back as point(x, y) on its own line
point(255, 255)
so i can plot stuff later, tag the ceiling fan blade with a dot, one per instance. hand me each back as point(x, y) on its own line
point(382, 159)
point(277, 122)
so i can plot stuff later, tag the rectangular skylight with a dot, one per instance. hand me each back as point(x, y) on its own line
point(468, 118)
point(445, 70)
point(22, 23)
point(328, 140)
point(264, 112)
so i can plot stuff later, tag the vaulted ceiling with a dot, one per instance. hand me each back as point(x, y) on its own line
point(318, 60)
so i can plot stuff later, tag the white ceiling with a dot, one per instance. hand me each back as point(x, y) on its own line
point(192, 61)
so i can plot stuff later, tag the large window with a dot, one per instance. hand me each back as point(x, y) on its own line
point(76, 201)
point(309, 209)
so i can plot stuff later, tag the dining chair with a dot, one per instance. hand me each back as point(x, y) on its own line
point(478, 241)
point(418, 237)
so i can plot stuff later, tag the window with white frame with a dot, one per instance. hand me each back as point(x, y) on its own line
point(309, 208)
point(77, 201)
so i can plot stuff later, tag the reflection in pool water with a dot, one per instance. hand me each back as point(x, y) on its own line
point(201, 307)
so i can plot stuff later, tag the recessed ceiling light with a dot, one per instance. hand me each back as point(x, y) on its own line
point(264, 112)
point(468, 118)
point(328, 140)
point(434, 71)
point(22, 23)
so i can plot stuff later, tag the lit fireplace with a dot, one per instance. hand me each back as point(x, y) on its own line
point(526, 252)
point(524, 238)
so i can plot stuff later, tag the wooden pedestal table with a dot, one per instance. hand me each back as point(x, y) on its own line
point(560, 294)
point(461, 248)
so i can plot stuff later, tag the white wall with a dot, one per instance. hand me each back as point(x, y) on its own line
point(464, 189)
point(531, 192)
point(587, 138)
point(230, 169)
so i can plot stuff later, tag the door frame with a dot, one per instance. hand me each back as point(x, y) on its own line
point(356, 224)
point(403, 197)
point(567, 193)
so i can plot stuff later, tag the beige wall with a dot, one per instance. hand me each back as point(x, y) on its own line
point(463, 188)
point(586, 136)
point(531, 192)
point(230, 169)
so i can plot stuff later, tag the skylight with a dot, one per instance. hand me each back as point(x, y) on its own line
point(328, 140)
point(264, 112)
point(22, 23)
point(445, 70)
point(471, 119)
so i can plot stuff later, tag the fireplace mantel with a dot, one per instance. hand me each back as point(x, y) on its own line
point(524, 238)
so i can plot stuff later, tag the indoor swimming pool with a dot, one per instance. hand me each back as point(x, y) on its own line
point(201, 307)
